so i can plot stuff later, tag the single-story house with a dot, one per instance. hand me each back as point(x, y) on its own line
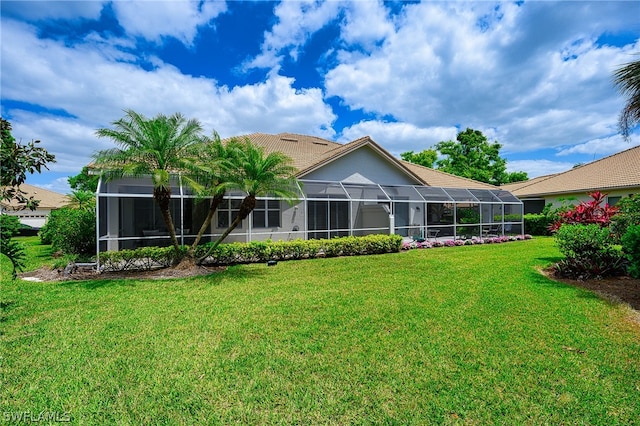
point(49, 200)
point(357, 188)
point(617, 175)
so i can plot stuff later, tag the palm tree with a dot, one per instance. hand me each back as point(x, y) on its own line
point(213, 174)
point(156, 147)
point(259, 175)
point(627, 78)
point(81, 199)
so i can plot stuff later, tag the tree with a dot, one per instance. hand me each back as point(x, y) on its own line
point(82, 200)
point(84, 181)
point(156, 147)
point(16, 160)
point(516, 177)
point(259, 175)
point(426, 157)
point(472, 156)
point(627, 78)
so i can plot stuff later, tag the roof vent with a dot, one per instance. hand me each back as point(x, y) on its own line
point(319, 143)
point(289, 139)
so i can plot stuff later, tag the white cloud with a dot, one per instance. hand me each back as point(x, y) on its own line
point(538, 78)
point(93, 87)
point(43, 10)
point(297, 21)
point(601, 146)
point(155, 19)
point(535, 168)
point(366, 23)
point(399, 137)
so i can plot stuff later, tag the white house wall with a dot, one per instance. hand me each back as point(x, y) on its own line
point(363, 165)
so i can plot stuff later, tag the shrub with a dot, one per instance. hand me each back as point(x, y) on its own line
point(628, 214)
point(631, 247)
point(71, 231)
point(537, 224)
point(588, 251)
point(592, 212)
point(145, 258)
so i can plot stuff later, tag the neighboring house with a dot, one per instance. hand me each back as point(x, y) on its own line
point(617, 175)
point(356, 188)
point(49, 200)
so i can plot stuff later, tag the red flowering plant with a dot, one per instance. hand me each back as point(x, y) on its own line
point(594, 211)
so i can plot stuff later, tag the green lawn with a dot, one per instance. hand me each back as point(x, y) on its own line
point(464, 335)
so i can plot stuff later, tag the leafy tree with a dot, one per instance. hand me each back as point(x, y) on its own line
point(16, 160)
point(627, 78)
point(9, 228)
point(259, 175)
point(515, 177)
point(84, 181)
point(426, 157)
point(472, 156)
point(155, 147)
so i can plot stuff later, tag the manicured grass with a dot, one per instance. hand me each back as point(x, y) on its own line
point(464, 335)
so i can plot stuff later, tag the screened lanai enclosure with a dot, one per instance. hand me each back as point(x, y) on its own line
point(128, 216)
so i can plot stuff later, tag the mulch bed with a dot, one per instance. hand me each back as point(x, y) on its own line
point(182, 271)
point(620, 289)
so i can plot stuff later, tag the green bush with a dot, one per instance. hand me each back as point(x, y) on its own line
point(537, 224)
point(628, 214)
point(588, 251)
point(145, 258)
point(71, 231)
point(631, 247)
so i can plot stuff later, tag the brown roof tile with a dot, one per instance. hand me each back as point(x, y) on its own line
point(618, 171)
point(432, 177)
point(48, 199)
point(309, 153)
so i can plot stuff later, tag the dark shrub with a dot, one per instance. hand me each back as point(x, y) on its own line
point(589, 252)
point(628, 214)
point(631, 247)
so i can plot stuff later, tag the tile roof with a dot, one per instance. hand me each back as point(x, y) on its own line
point(309, 153)
point(432, 177)
point(617, 171)
point(48, 199)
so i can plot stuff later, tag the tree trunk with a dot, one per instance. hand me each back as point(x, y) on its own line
point(213, 206)
point(163, 198)
point(247, 206)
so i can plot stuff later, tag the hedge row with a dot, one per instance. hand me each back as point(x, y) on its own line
point(537, 224)
point(146, 258)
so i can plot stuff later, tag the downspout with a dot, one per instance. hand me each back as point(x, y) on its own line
point(98, 223)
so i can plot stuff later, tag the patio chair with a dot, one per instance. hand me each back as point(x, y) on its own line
point(432, 234)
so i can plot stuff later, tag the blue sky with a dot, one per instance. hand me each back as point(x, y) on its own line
point(535, 76)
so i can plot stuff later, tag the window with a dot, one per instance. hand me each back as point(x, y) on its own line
point(612, 201)
point(266, 214)
point(227, 212)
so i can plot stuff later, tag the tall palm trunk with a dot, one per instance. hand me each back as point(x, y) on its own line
point(163, 198)
point(246, 207)
point(213, 206)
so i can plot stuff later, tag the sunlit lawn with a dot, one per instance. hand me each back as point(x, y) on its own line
point(469, 335)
